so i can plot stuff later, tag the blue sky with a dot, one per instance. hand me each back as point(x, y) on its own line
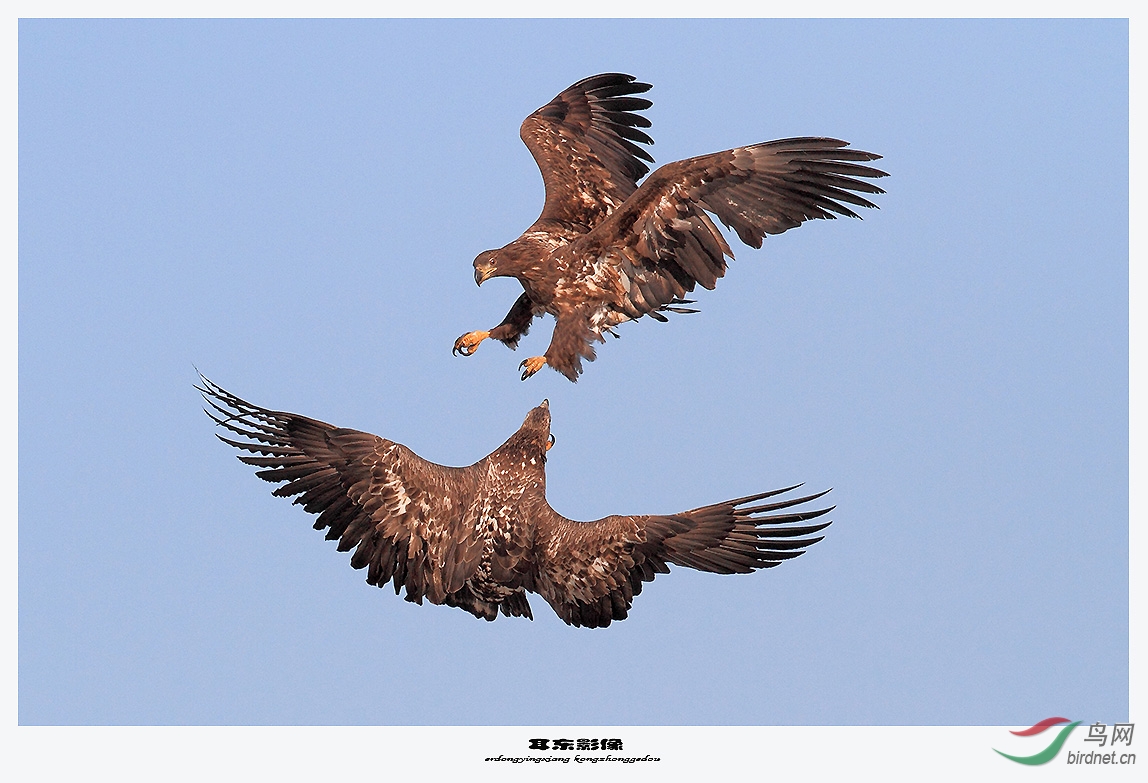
point(293, 207)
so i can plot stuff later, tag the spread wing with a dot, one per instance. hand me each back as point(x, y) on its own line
point(585, 142)
point(403, 515)
point(662, 241)
point(589, 572)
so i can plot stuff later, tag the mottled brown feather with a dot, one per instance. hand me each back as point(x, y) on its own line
point(605, 250)
point(481, 537)
point(583, 143)
point(762, 189)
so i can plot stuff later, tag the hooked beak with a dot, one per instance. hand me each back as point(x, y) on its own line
point(550, 443)
point(482, 274)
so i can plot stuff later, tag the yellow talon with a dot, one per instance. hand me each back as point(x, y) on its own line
point(531, 366)
point(468, 343)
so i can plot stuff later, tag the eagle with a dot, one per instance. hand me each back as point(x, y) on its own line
point(482, 537)
point(606, 250)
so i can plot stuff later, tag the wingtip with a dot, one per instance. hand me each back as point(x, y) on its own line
point(763, 495)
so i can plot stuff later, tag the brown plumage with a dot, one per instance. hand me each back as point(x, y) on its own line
point(605, 251)
point(482, 537)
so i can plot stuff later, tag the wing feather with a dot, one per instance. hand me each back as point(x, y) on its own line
point(589, 572)
point(585, 142)
point(405, 517)
point(663, 231)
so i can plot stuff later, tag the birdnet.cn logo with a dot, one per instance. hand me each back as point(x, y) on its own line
point(1100, 746)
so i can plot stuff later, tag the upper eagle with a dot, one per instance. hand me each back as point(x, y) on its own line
point(481, 537)
point(606, 250)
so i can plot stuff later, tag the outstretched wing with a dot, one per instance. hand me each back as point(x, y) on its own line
point(662, 241)
point(589, 572)
point(403, 515)
point(585, 142)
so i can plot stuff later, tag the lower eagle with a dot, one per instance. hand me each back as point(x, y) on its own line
point(482, 537)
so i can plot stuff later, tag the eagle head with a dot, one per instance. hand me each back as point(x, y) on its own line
point(535, 429)
point(484, 266)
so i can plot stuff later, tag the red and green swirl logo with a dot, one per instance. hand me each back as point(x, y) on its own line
point(1053, 748)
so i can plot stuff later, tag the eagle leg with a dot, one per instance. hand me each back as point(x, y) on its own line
point(510, 331)
point(468, 343)
point(570, 344)
point(531, 366)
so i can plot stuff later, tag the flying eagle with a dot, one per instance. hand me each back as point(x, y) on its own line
point(605, 251)
point(481, 537)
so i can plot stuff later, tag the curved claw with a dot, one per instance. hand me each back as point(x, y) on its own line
point(531, 366)
point(468, 343)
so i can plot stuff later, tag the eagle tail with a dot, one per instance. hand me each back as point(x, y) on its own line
point(515, 605)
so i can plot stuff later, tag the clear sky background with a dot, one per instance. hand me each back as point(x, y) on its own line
point(293, 207)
